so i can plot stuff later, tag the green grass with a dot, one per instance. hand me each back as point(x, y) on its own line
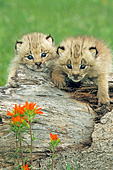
point(61, 18)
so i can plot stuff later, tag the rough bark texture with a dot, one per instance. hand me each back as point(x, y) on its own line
point(86, 131)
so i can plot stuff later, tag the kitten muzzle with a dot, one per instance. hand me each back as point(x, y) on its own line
point(38, 64)
point(76, 77)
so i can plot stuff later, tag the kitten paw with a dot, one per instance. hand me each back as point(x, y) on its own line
point(59, 79)
point(59, 83)
point(104, 101)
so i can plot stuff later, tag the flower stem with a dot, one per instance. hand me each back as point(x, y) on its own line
point(21, 148)
point(53, 160)
point(52, 164)
point(17, 149)
point(31, 143)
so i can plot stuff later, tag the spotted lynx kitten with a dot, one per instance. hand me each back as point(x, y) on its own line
point(84, 57)
point(34, 50)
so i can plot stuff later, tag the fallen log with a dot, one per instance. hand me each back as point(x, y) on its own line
point(84, 129)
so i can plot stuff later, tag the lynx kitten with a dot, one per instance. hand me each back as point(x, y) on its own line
point(84, 57)
point(34, 50)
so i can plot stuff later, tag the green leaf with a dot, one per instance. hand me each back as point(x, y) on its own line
point(12, 155)
point(29, 150)
point(33, 137)
point(25, 160)
point(24, 140)
point(56, 143)
point(76, 164)
point(52, 148)
point(54, 156)
point(52, 143)
point(31, 167)
point(68, 167)
point(26, 131)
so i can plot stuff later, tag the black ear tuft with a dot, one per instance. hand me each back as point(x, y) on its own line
point(61, 48)
point(93, 50)
point(50, 38)
point(18, 44)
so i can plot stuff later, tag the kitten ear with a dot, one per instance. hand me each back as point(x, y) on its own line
point(93, 51)
point(50, 39)
point(18, 45)
point(60, 49)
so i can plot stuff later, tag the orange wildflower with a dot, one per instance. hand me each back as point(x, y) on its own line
point(17, 120)
point(9, 113)
point(53, 137)
point(38, 111)
point(33, 106)
point(19, 109)
point(30, 106)
point(25, 167)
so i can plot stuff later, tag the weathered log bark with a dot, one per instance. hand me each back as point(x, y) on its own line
point(74, 121)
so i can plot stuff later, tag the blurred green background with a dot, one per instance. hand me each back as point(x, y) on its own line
point(61, 18)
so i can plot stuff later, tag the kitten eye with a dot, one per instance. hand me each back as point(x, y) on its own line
point(69, 66)
point(43, 54)
point(82, 66)
point(30, 57)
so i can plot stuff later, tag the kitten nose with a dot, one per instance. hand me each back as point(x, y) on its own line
point(38, 63)
point(75, 76)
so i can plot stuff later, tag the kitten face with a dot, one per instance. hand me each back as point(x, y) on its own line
point(35, 50)
point(76, 60)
